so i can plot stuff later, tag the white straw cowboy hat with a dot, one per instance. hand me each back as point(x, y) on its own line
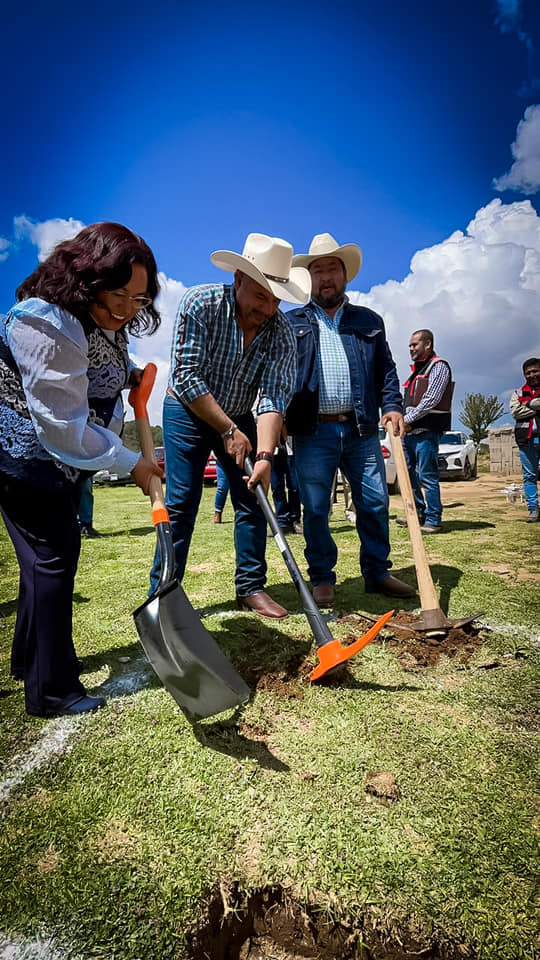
point(324, 245)
point(268, 261)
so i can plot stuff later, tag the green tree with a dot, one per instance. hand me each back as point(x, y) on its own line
point(478, 412)
point(129, 436)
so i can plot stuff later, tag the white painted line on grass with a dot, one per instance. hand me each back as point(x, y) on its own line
point(54, 743)
point(44, 947)
point(58, 736)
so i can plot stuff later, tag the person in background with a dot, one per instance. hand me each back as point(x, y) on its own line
point(346, 376)
point(525, 409)
point(231, 347)
point(285, 491)
point(221, 493)
point(63, 342)
point(428, 405)
point(85, 514)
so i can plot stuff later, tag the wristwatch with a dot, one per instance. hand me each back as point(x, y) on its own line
point(229, 431)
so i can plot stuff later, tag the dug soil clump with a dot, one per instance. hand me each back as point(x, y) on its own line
point(414, 649)
point(267, 924)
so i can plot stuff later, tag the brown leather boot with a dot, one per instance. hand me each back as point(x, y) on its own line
point(323, 594)
point(217, 516)
point(263, 605)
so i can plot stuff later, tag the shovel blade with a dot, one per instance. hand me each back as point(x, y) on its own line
point(185, 657)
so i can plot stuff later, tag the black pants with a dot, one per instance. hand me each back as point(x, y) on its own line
point(44, 531)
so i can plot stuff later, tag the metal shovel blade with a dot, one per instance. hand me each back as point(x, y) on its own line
point(185, 657)
point(438, 621)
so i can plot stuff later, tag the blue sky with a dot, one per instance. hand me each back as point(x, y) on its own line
point(382, 123)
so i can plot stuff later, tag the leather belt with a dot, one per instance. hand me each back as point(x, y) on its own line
point(171, 393)
point(336, 417)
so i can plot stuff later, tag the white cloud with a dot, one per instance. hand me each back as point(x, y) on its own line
point(479, 292)
point(524, 174)
point(510, 19)
point(156, 349)
point(508, 15)
point(47, 234)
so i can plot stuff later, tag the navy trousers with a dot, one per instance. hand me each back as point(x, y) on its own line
point(45, 534)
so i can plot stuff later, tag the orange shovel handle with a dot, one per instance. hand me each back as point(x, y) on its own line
point(138, 398)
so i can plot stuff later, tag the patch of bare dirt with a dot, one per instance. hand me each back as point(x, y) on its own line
point(283, 680)
point(49, 860)
point(382, 784)
point(456, 643)
point(413, 648)
point(268, 924)
point(418, 648)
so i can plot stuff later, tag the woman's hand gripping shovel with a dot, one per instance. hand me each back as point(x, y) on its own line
point(329, 651)
point(185, 657)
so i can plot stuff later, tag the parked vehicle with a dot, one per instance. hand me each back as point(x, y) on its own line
point(389, 464)
point(160, 457)
point(210, 470)
point(458, 456)
point(110, 478)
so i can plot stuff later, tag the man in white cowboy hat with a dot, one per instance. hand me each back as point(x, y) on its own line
point(346, 377)
point(232, 347)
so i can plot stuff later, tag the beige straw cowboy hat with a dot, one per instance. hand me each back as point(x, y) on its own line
point(268, 261)
point(324, 245)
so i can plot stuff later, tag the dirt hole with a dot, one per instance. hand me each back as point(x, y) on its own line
point(268, 925)
point(413, 649)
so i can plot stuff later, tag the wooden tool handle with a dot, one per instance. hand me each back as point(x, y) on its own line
point(428, 595)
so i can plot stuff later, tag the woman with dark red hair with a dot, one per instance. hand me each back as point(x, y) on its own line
point(63, 365)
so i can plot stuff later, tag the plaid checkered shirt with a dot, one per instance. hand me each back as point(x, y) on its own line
point(208, 356)
point(335, 395)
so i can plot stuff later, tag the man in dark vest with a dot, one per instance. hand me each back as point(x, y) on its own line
point(427, 401)
point(525, 409)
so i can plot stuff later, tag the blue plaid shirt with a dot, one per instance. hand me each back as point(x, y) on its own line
point(335, 394)
point(208, 355)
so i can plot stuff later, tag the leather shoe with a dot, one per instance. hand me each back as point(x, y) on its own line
point(390, 587)
point(323, 594)
point(403, 523)
point(431, 528)
point(87, 530)
point(263, 605)
point(82, 705)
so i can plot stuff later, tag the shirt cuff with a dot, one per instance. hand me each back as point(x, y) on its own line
point(187, 395)
point(126, 460)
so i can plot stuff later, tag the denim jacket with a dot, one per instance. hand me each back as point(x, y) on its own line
point(374, 380)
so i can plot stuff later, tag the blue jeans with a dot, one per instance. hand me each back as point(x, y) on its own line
point(222, 489)
point(317, 458)
point(188, 441)
point(530, 458)
point(422, 455)
point(86, 504)
point(285, 489)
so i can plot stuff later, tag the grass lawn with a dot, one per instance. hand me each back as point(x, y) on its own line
point(119, 828)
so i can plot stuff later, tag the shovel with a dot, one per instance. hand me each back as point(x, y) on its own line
point(185, 657)
point(432, 617)
point(329, 651)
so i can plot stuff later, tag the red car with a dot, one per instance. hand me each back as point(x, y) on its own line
point(160, 457)
point(210, 470)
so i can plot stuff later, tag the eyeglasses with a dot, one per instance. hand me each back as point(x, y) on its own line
point(124, 299)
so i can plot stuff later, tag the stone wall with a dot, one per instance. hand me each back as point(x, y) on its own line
point(503, 451)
